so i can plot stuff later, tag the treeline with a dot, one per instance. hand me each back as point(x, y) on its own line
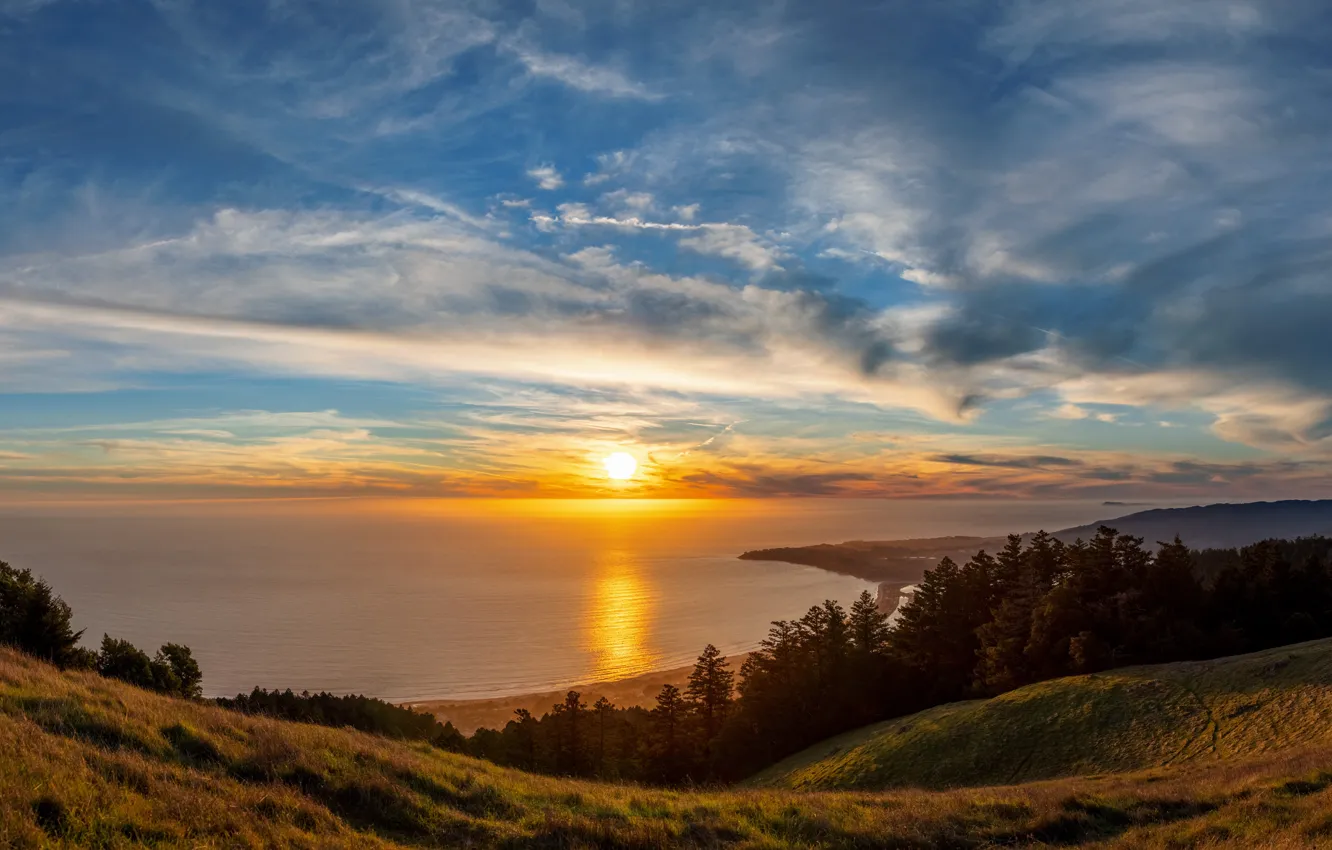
point(359, 712)
point(808, 679)
point(1027, 613)
point(37, 621)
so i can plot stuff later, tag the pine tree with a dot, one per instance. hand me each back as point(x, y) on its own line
point(570, 751)
point(604, 711)
point(36, 621)
point(868, 627)
point(710, 690)
point(668, 727)
point(526, 731)
point(1010, 564)
point(1003, 654)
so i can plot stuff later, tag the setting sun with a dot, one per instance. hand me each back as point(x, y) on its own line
point(620, 466)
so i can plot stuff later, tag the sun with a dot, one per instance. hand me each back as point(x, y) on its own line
point(620, 466)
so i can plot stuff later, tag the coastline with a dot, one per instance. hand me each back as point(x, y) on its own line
point(468, 715)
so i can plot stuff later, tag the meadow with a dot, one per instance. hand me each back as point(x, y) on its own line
point(1132, 718)
point(93, 762)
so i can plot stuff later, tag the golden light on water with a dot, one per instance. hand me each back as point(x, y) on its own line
point(616, 624)
point(621, 466)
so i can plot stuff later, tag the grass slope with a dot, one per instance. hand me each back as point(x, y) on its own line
point(88, 762)
point(1122, 720)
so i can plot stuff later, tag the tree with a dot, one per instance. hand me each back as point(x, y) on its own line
point(526, 730)
point(604, 710)
point(935, 636)
point(710, 689)
point(1003, 641)
point(173, 671)
point(36, 621)
point(868, 627)
point(186, 678)
point(569, 751)
point(120, 659)
point(668, 733)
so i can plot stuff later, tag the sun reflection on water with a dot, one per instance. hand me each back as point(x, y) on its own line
point(618, 620)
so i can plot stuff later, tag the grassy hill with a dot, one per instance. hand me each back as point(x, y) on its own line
point(90, 762)
point(1122, 720)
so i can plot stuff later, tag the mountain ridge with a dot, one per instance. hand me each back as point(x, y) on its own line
point(1221, 525)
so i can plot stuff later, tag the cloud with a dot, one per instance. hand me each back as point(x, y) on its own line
point(1073, 411)
point(576, 73)
point(404, 298)
point(1019, 225)
point(735, 242)
point(546, 177)
point(625, 199)
point(755, 484)
point(1024, 462)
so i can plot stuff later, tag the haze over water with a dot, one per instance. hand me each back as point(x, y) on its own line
point(461, 598)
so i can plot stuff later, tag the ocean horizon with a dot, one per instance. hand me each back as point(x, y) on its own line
point(455, 599)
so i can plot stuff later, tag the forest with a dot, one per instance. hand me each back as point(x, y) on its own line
point(1026, 613)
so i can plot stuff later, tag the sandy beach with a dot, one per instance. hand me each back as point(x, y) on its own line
point(468, 715)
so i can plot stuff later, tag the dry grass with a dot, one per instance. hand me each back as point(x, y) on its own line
point(1122, 720)
point(86, 762)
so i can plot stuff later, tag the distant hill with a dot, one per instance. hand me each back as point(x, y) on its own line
point(1204, 527)
point(92, 762)
point(1221, 526)
point(1130, 719)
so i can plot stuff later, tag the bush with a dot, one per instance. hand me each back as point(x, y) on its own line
point(172, 671)
point(120, 659)
point(359, 712)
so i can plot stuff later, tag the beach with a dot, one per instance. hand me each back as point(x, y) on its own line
point(468, 715)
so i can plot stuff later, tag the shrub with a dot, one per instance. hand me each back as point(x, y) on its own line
point(173, 671)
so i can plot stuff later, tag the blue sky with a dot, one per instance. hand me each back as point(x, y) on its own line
point(898, 249)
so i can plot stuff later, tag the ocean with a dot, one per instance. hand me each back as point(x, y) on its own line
point(438, 599)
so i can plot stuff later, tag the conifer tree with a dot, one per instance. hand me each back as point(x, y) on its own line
point(604, 711)
point(571, 712)
point(710, 690)
point(33, 619)
point(1003, 655)
point(868, 627)
point(668, 727)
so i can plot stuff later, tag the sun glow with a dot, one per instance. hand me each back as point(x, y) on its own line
point(620, 466)
point(617, 622)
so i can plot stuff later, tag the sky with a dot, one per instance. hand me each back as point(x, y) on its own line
point(897, 249)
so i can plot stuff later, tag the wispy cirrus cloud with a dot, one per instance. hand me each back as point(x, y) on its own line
point(577, 73)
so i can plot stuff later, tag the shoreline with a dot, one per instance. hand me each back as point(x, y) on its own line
point(468, 715)
point(472, 713)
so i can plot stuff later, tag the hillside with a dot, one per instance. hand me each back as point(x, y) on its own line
point(1219, 526)
point(1121, 720)
point(93, 762)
